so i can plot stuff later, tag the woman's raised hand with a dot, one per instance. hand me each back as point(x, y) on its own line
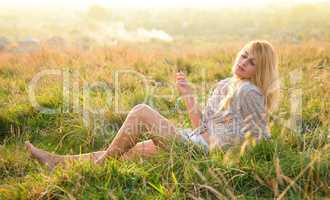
point(182, 84)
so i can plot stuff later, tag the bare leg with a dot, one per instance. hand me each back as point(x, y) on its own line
point(51, 160)
point(161, 131)
point(142, 149)
point(125, 143)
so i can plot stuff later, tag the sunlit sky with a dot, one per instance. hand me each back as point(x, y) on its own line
point(82, 4)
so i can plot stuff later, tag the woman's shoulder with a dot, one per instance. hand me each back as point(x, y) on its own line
point(221, 86)
point(248, 88)
point(223, 82)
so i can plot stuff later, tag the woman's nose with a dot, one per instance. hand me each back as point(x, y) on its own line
point(243, 63)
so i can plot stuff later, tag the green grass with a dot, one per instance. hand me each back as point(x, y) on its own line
point(293, 165)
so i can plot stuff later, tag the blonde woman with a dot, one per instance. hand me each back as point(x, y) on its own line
point(238, 105)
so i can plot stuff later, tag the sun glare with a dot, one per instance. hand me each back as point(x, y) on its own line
point(149, 3)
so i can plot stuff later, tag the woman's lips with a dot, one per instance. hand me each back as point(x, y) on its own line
point(241, 68)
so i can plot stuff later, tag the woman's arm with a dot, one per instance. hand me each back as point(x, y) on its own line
point(194, 111)
point(185, 91)
point(191, 103)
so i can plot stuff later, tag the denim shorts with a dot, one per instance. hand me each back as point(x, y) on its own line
point(189, 135)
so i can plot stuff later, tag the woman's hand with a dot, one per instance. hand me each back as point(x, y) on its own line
point(182, 84)
point(189, 100)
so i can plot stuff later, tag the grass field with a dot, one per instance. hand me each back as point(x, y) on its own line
point(295, 164)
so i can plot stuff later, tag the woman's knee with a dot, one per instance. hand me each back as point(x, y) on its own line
point(141, 107)
point(141, 110)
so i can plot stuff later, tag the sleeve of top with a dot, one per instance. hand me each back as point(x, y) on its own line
point(254, 114)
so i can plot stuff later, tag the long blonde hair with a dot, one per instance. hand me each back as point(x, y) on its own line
point(266, 77)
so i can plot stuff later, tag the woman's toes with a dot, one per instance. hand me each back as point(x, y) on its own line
point(30, 148)
point(28, 145)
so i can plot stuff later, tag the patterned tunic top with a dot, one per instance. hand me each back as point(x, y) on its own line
point(247, 113)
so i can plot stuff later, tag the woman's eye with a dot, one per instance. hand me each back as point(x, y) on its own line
point(244, 56)
point(252, 63)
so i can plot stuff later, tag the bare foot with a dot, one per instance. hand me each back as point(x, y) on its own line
point(44, 157)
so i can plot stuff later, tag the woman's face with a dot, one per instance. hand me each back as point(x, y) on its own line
point(245, 67)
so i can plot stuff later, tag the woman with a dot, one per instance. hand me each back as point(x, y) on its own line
point(238, 105)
